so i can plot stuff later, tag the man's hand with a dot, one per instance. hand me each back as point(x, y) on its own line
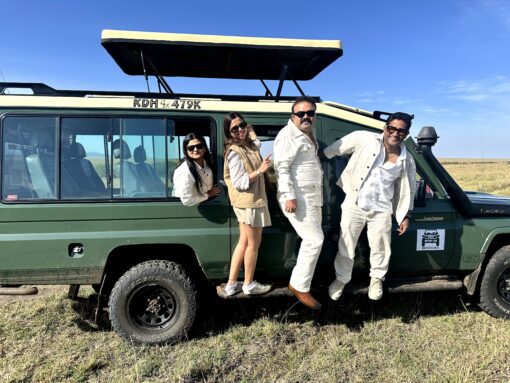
point(290, 205)
point(403, 226)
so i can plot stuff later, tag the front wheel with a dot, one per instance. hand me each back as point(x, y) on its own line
point(495, 286)
point(153, 303)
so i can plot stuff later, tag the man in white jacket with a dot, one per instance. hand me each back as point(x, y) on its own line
point(299, 175)
point(379, 180)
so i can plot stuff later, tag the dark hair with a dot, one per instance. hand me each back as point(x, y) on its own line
point(407, 118)
point(301, 99)
point(191, 164)
point(229, 140)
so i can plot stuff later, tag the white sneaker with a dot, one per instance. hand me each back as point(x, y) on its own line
point(232, 289)
point(375, 290)
point(336, 288)
point(256, 288)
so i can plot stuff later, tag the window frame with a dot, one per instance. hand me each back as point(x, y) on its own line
point(209, 118)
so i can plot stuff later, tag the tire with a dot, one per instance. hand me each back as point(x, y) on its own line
point(495, 286)
point(96, 288)
point(153, 303)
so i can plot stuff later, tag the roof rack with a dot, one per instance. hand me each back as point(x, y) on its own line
point(40, 89)
point(186, 55)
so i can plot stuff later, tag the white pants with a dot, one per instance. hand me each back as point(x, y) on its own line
point(307, 221)
point(352, 223)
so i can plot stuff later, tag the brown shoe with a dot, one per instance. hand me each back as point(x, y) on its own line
point(305, 298)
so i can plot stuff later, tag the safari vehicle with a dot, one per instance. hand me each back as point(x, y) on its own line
point(86, 188)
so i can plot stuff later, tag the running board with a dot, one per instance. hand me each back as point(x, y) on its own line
point(394, 285)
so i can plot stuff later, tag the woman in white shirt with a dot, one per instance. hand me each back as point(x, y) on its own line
point(243, 172)
point(193, 177)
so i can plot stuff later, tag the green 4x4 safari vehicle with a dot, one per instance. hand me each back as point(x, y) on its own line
point(86, 189)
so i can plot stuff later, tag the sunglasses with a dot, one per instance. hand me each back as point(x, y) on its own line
point(191, 148)
point(309, 113)
point(237, 128)
point(401, 132)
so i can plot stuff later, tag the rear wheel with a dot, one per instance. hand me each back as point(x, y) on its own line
point(153, 303)
point(495, 286)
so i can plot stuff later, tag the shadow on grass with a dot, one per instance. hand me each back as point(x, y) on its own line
point(85, 318)
point(217, 315)
point(353, 311)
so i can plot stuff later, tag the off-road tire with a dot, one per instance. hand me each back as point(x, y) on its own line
point(154, 302)
point(495, 286)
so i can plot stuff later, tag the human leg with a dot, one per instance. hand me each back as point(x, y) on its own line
point(351, 224)
point(253, 238)
point(379, 240)
point(306, 221)
point(238, 255)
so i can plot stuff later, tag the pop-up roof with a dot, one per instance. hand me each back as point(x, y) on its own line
point(184, 55)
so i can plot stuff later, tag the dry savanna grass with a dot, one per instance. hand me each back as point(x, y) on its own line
point(437, 337)
point(425, 337)
point(488, 175)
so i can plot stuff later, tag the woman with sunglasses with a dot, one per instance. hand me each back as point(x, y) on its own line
point(244, 171)
point(193, 177)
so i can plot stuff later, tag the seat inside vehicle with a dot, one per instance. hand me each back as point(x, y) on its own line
point(125, 170)
point(149, 180)
point(82, 173)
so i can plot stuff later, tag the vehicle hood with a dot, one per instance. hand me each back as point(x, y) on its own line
point(485, 204)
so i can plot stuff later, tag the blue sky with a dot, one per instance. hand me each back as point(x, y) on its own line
point(447, 62)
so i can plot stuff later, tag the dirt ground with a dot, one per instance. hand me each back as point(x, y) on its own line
point(42, 291)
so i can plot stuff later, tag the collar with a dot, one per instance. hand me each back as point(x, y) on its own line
point(200, 167)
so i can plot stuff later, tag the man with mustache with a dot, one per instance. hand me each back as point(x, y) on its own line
point(379, 180)
point(299, 175)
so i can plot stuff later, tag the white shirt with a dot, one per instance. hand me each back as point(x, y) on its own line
point(376, 193)
point(184, 184)
point(297, 166)
point(238, 174)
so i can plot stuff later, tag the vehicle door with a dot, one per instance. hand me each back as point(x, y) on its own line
point(278, 251)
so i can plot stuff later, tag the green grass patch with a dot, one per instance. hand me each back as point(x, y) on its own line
point(403, 338)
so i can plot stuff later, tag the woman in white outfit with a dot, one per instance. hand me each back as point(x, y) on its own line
point(244, 171)
point(193, 178)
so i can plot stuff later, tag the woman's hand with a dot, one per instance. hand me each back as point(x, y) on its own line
point(266, 163)
point(251, 133)
point(215, 190)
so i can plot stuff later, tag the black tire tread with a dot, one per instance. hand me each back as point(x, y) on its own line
point(486, 298)
point(147, 270)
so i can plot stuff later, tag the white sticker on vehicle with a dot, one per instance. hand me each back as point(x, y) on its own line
point(430, 239)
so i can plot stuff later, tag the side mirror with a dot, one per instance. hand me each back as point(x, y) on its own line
point(419, 198)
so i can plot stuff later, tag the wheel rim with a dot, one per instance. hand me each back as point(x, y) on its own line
point(504, 285)
point(152, 307)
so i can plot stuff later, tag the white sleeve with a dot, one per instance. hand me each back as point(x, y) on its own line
point(343, 146)
point(238, 174)
point(184, 186)
point(285, 151)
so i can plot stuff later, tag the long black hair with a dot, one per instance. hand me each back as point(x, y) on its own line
point(191, 164)
point(229, 140)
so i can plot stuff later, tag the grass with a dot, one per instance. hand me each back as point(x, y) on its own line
point(403, 338)
point(427, 337)
point(489, 176)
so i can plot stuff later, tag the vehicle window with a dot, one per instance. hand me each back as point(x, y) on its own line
point(429, 191)
point(94, 157)
point(179, 128)
point(29, 158)
point(139, 163)
point(266, 135)
point(84, 159)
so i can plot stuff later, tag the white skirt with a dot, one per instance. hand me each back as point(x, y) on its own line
point(255, 217)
